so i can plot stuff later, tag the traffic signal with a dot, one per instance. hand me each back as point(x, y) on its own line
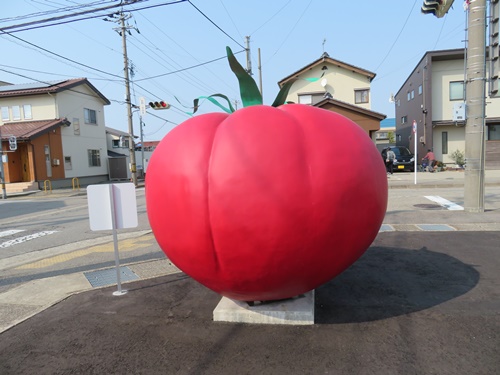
point(159, 105)
point(437, 7)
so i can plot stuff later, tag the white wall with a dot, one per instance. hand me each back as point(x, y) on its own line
point(71, 104)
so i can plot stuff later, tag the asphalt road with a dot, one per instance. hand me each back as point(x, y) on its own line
point(46, 236)
point(415, 303)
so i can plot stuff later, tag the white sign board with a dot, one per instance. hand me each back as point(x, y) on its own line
point(142, 106)
point(112, 206)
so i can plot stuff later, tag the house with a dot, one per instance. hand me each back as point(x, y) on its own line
point(433, 96)
point(60, 132)
point(143, 152)
point(336, 86)
point(386, 136)
point(118, 154)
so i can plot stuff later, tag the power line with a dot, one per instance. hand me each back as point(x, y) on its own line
point(84, 18)
point(397, 38)
point(190, 67)
point(213, 23)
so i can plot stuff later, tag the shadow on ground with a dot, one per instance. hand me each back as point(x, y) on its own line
point(388, 282)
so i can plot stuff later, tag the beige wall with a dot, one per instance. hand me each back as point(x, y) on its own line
point(341, 84)
point(42, 107)
point(444, 72)
point(455, 142)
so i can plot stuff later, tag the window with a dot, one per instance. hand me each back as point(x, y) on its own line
point(412, 94)
point(457, 90)
point(305, 99)
point(123, 143)
point(5, 114)
point(361, 96)
point(408, 97)
point(90, 116)
point(16, 112)
point(383, 135)
point(27, 112)
point(404, 119)
point(76, 126)
point(94, 158)
point(444, 142)
point(420, 90)
point(494, 132)
point(67, 163)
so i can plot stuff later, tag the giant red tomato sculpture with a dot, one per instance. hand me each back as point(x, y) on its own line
point(266, 203)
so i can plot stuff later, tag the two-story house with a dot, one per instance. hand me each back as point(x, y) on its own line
point(336, 86)
point(434, 97)
point(60, 132)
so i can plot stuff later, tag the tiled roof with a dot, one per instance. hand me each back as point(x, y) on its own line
point(52, 87)
point(27, 130)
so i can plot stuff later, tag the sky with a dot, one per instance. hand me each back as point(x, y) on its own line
point(177, 49)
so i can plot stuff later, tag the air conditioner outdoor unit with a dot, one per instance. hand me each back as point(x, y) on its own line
point(55, 162)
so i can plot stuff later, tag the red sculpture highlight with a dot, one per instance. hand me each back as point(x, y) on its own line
point(264, 203)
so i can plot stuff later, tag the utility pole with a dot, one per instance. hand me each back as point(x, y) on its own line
point(475, 105)
point(2, 176)
point(249, 60)
point(122, 30)
point(142, 146)
point(260, 76)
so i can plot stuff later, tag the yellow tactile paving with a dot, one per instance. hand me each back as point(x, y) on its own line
point(123, 245)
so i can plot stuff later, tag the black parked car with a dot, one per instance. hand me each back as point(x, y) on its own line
point(405, 160)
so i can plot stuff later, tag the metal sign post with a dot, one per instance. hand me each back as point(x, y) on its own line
point(113, 206)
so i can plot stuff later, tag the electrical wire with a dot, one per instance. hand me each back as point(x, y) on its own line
point(90, 17)
point(217, 26)
point(397, 37)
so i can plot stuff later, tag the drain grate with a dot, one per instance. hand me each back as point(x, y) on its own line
point(108, 276)
point(435, 227)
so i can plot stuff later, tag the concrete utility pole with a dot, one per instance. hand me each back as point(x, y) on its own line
point(475, 105)
point(260, 76)
point(249, 60)
point(131, 146)
point(2, 176)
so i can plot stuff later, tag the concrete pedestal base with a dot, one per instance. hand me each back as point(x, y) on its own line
point(296, 311)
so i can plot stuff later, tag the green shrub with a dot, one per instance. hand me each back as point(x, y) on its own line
point(458, 157)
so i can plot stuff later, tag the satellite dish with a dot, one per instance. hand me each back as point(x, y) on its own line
point(324, 82)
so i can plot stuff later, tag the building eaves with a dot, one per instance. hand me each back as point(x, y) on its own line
point(351, 107)
point(440, 55)
point(117, 132)
point(326, 59)
point(27, 130)
point(52, 87)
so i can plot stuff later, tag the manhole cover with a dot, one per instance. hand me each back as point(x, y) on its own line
point(429, 206)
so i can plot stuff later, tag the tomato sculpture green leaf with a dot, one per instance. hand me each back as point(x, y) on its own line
point(266, 203)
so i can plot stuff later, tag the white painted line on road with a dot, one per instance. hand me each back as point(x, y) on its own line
point(6, 233)
point(26, 238)
point(444, 202)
